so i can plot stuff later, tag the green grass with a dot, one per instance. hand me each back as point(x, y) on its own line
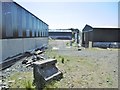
point(22, 80)
point(29, 86)
point(51, 85)
point(67, 44)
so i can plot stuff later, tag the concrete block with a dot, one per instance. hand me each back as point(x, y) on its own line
point(45, 71)
point(90, 44)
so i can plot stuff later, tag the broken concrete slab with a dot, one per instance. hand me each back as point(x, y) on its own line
point(45, 71)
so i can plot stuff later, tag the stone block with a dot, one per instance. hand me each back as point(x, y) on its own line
point(45, 71)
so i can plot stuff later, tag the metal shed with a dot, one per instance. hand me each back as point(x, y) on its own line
point(92, 35)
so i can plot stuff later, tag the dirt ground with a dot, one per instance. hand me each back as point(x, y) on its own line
point(88, 68)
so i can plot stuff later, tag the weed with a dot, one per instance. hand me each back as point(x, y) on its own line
point(51, 85)
point(29, 86)
point(59, 56)
point(54, 57)
point(67, 44)
point(62, 60)
point(68, 60)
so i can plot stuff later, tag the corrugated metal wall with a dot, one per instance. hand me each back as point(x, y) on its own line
point(0, 19)
point(106, 35)
point(0, 30)
point(99, 35)
point(20, 30)
point(20, 23)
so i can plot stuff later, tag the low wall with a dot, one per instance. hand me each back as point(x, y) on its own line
point(12, 47)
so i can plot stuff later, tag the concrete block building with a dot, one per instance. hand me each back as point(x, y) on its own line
point(100, 37)
point(20, 30)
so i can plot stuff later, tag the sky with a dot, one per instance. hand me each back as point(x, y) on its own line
point(65, 14)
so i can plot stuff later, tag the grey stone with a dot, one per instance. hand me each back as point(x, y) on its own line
point(114, 71)
point(45, 71)
point(12, 81)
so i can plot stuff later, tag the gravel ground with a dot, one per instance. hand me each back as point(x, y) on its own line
point(16, 74)
point(88, 68)
point(10, 75)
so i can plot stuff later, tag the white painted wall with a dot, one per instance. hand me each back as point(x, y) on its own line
point(12, 47)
